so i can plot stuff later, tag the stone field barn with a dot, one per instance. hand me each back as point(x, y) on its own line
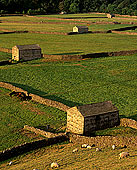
point(110, 15)
point(88, 118)
point(80, 29)
point(26, 52)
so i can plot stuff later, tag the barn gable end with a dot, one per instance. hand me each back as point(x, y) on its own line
point(75, 121)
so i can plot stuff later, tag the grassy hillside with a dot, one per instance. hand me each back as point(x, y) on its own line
point(14, 114)
point(80, 82)
point(72, 44)
point(83, 159)
point(72, 83)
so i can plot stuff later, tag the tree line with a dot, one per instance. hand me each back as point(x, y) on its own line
point(30, 7)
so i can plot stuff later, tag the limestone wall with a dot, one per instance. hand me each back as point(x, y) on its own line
point(42, 132)
point(104, 141)
point(6, 50)
point(128, 123)
point(35, 97)
point(75, 121)
point(15, 151)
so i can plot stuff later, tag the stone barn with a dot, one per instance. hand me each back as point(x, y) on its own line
point(26, 52)
point(88, 118)
point(80, 29)
point(110, 15)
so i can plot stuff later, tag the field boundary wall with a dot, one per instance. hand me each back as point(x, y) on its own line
point(42, 132)
point(26, 147)
point(36, 98)
point(104, 141)
point(127, 33)
point(125, 122)
point(98, 141)
point(6, 50)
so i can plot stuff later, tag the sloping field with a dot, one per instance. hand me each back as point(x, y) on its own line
point(62, 44)
point(83, 159)
point(71, 83)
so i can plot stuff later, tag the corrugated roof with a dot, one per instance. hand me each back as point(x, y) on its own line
point(97, 108)
point(26, 47)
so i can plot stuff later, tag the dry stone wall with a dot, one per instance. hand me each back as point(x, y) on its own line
point(36, 98)
point(42, 132)
point(6, 50)
point(104, 141)
point(128, 123)
point(15, 151)
point(128, 33)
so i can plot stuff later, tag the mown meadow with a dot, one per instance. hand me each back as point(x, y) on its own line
point(72, 83)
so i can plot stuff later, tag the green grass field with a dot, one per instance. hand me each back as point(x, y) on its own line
point(72, 44)
point(4, 56)
point(61, 44)
point(14, 114)
point(72, 83)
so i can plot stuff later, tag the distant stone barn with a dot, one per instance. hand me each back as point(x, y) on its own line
point(26, 52)
point(88, 118)
point(110, 15)
point(80, 29)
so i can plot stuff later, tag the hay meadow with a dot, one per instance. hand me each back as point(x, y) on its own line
point(70, 82)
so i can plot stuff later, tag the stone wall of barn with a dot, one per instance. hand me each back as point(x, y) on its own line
point(75, 121)
point(15, 54)
point(102, 121)
point(30, 54)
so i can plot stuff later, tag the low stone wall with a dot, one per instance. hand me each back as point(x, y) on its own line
point(125, 28)
point(79, 57)
point(36, 98)
point(104, 141)
point(18, 150)
point(42, 32)
point(127, 33)
point(108, 141)
point(42, 132)
point(128, 123)
point(6, 50)
point(62, 57)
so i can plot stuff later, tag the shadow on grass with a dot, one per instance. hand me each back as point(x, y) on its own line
point(73, 53)
point(66, 102)
point(134, 117)
point(46, 128)
point(45, 95)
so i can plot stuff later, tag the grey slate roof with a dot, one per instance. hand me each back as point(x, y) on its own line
point(97, 108)
point(26, 47)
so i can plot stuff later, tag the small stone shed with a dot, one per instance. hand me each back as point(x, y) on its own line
point(110, 15)
point(86, 119)
point(26, 52)
point(80, 29)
